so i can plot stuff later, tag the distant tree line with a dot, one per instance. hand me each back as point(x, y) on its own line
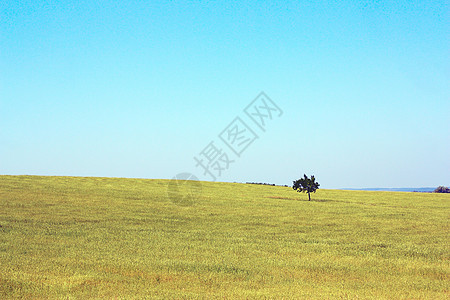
point(440, 189)
point(264, 183)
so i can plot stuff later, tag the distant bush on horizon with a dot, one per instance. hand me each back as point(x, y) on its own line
point(442, 189)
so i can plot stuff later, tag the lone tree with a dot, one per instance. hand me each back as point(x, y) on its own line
point(442, 189)
point(306, 184)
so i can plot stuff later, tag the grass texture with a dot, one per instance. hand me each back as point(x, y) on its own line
point(76, 238)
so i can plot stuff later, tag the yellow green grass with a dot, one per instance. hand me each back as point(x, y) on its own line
point(74, 237)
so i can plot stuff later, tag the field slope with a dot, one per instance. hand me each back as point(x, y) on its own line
point(74, 237)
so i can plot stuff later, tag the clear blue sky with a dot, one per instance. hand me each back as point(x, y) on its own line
point(138, 88)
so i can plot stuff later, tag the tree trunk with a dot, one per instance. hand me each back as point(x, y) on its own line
point(309, 196)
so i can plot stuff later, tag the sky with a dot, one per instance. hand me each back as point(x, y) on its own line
point(143, 88)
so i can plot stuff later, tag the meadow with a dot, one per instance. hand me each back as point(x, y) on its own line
point(76, 238)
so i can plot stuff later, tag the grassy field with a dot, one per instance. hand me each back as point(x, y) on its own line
point(74, 237)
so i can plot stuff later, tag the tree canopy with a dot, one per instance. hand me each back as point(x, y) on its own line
point(306, 184)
